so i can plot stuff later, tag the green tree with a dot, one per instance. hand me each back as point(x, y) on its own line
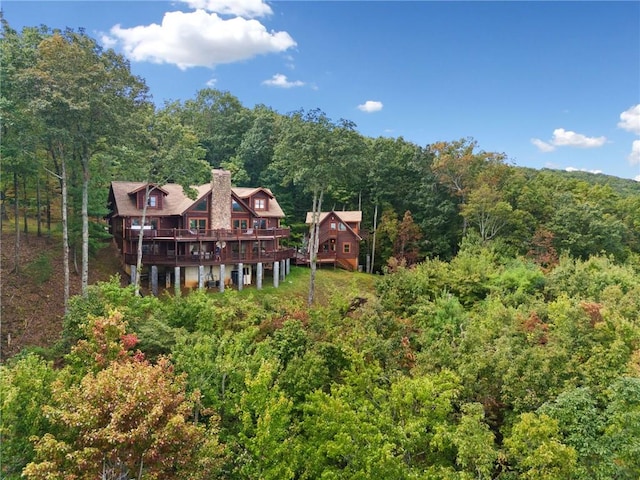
point(623, 426)
point(458, 166)
point(317, 154)
point(25, 387)
point(218, 120)
point(125, 417)
point(132, 418)
point(536, 450)
point(18, 127)
point(485, 209)
point(87, 94)
point(168, 152)
point(255, 152)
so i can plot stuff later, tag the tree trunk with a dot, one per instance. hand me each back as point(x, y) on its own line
point(85, 225)
point(65, 232)
point(25, 203)
point(373, 243)
point(16, 250)
point(48, 200)
point(136, 280)
point(38, 205)
point(314, 239)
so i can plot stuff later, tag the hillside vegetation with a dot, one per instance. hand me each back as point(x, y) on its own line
point(482, 367)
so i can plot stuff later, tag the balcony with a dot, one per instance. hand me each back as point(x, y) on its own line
point(209, 258)
point(191, 235)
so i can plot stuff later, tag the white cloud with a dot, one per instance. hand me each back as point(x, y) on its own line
point(634, 156)
point(199, 39)
point(241, 8)
point(573, 169)
point(637, 178)
point(370, 106)
point(567, 138)
point(279, 80)
point(630, 120)
point(212, 82)
point(542, 146)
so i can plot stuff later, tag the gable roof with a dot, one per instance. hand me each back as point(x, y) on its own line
point(244, 193)
point(175, 202)
point(144, 185)
point(347, 216)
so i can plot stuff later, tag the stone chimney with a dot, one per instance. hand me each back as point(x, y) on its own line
point(220, 199)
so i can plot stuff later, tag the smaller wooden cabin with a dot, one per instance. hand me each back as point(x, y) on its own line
point(339, 238)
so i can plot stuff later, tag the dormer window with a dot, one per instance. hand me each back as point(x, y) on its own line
point(260, 203)
point(152, 201)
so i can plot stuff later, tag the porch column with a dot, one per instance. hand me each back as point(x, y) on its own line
point(282, 270)
point(154, 280)
point(288, 264)
point(176, 281)
point(240, 276)
point(200, 277)
point(221, 286)
point(134, 272)
point(276, 274)
point(259, 275)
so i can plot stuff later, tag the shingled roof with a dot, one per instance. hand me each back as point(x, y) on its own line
point(175, 202)
point(274, 207)
point(347, 216)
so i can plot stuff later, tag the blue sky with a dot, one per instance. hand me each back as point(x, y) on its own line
point(550, 84)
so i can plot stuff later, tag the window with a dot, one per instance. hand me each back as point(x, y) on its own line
point(346, 248)
point(201, 206)
point(240, 223)
point(235, 206)
point(342, 227)
point(135, 224)
point(197, 224)
point(260, 203)
point(332, 225)
point(152, 201)
point(260, 223)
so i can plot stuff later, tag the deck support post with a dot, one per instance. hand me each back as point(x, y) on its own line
point(240, 276)
point(259, 274)
point(276, 274)
point(134, 273)
point(154, 280)
point(200, 277)
point(222, 279)
point(176, 281)
point(282, 270)
point(288, 265)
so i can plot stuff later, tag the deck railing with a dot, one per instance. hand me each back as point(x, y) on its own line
point(222, 234)
point(210, 258)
